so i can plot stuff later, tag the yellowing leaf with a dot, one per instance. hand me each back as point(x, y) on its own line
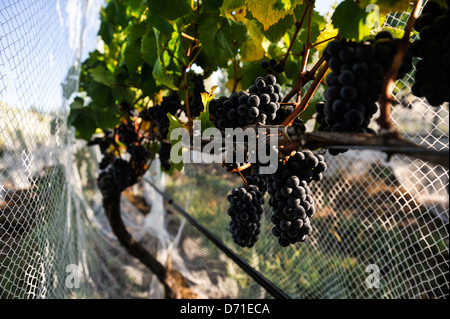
point(326, 34)
point(230, 85)
point(269, 12)
point(208, 96)
point(252, 49)
point(145, 126)
point(237, 14)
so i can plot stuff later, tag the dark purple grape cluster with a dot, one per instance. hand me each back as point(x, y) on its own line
point(432, 70)
point(258, 180)
point(116, 177)
point(158, 113)
point(283, 113)
point(127, 133)
point(273, 66)
point(139, 155)
point(245, 210)
point(117, 173)
point(195, 102)
point(355, 83)
point(259, 105)
point(291, 197)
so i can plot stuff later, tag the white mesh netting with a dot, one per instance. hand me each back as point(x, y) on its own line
point(55, 241)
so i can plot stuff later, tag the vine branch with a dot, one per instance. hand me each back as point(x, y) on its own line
point(291, 138)
point(111, 204)
point(298, 26)
point(308, 95)
point(305, 55)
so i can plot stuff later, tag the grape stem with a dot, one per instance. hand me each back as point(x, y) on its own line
point(323, 41)
point(241, 168)
point(309, 76)
point(243, 178)
point(306, 52)
point(308, 95)
point(298, 26)
point(386, 97)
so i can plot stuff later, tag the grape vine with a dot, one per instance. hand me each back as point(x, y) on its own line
point(142, 85)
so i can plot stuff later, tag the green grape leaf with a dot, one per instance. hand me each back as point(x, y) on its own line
point(83, 119)
point(350, 19)
point(136, 31)
point(235, 34)
point(169, 9)
point(136, 5)
point(106, 32)
point(159, 23)
point(269, 12)
point(102, 75)
point(149, 47)
point(107, 118)
point(161, 76)
point(123, 94)
point(148, 84)
point(133, 58)
point(276, 31)
point(100, 94)
point(220, 37)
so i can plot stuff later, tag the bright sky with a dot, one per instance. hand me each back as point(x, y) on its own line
point(324, 6)
point(39, 43)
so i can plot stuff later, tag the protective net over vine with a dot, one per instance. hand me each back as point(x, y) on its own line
point(372, 214)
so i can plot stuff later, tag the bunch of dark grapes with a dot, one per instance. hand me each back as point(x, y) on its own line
point(245, 210)
point(355, 83)
point(127, 134)
point(291, 197)
point(116, 177)
point(164, 155)
point(195, 103)
point(258, 180)
point(273, 66)
point(258, 105)
point(139, 156)
point(283, 113)
point(103, 142)
point(432, 71)
point(158, 113)
point(127, 108)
